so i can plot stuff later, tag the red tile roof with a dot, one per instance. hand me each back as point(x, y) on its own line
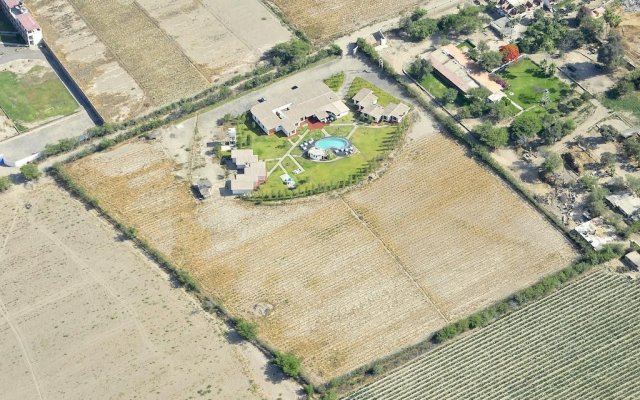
point(28, 22)
point(11, 3)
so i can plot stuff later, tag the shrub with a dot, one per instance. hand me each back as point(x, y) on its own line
point(510, 52)
point(289, 363)
point(30, 172)
point(246, 329)
point(5, 184)
point(330, 395)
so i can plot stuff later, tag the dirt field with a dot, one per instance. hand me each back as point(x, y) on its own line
point(131, 56)
point(83, 315)
point(325, 20)
point(341, 281)
point(630, 29)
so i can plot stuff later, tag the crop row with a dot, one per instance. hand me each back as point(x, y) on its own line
point(571, 345)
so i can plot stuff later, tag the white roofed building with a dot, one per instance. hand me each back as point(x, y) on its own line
point(287, 112)
point(22, 20)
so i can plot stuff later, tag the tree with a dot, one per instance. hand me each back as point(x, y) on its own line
point(524, 127)
point(5, 184)
point(494, 137)
point(608, 132)
point(490, 60)
point(246, 329)
point(611, 53)
point(543, 34)
point(30, 172)
point(552, 162)
point(634, 184)
point(591, 28)
point(588, 181)
point(420, 67)
point(510, 52)
point(449, 96)
point(608, 161)
point(289, 52)
point(289, 363)
point(501, 110)
point(612, 18)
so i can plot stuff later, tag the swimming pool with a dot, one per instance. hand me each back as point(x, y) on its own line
point(332, 142)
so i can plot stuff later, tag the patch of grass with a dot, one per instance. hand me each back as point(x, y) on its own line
point(384, 98)
point(629, 102)
point(527, 83)
point(434, 85)
point(35, 96)
point(465, 45)
point(336, 81)
point(264, 146)
point(347, 119)
point(371, 143)
point(339, 130)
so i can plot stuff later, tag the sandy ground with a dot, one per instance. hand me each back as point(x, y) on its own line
point(337, 281)
point(7, 129)
point(84, 315)
point(118, 65)
point(630, 29)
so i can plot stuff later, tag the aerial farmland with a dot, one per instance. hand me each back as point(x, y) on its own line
point(317, 278)
point(130, 57)
point(558, 348)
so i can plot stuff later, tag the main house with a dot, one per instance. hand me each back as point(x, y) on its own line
point(22, 20)
point(288, 111)
point(367, 104)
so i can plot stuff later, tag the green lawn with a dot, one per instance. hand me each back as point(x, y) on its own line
point(264, 146)
point(629, 102)
point(384, 98)
point(338, 130)
point(465, 45)
point(528, 84)
point(434, 85)
point(34, 96)
point(335, 81)
point(371, 144)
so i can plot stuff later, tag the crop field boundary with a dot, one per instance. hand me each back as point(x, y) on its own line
point(397, 260)
point(176, 275)
point(155, 22)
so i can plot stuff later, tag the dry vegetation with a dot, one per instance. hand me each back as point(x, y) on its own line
point(325, 20)
point(341, 281)
point(84, 315)
point(130, 56)
point(630, 29)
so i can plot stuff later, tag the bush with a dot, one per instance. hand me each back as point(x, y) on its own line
point(246, 329)
point(289, 363)
point(5, 184)
point(330, 395)
point(30, 172)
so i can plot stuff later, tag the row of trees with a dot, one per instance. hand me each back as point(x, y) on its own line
point(418, 27)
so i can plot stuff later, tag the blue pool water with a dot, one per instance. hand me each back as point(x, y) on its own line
point(332, 143)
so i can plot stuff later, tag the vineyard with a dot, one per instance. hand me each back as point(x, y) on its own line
point(340, 280)
point(458, 230)
point(580, 343)
point(325, 20)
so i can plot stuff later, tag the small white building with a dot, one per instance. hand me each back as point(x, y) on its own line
point(22, 20)
point(204, 187)
point(625, 204)
point(597, 232)
point(633, 260)
point(367, 104)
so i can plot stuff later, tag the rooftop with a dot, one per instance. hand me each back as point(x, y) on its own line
point(291, 107)
point(596, 232)
point(22, 15)
point(627, 204)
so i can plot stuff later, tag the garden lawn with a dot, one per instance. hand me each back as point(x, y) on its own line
point(266, 147)
point(371, 144)
point(629, 102)
point(335, 81)
point(434, 85)
point(527, 84)
point(358, 83)
point(339, 130)
point(34, 96)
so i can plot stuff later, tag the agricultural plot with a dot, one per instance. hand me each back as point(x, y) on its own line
point(31, 93)
point(582, 342)
point(326, 20)
point(84, 315)
point(148, 53)
point(461, 234)
point(340, 281)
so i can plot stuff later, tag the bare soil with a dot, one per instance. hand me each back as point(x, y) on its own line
point(84, 315)
point(341, 281)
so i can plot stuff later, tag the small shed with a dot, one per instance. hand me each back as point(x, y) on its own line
point(633, 260)
point(630, 132)
point(204, 187)
point(232, 136)
point(625, 204)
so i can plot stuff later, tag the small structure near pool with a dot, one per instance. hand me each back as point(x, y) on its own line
point(322, 149)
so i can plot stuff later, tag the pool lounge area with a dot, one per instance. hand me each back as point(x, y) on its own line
point(324, 149)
